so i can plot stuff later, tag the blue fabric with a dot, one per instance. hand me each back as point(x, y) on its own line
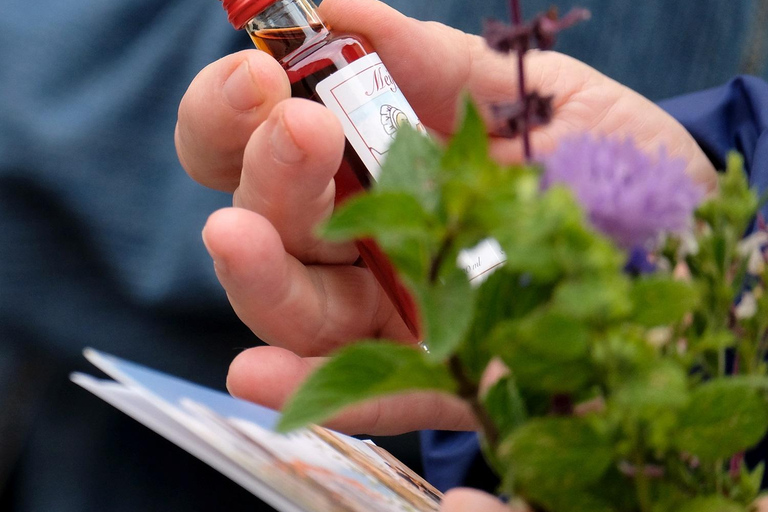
point(100, 245)
point(660, 48)
point(731, 117)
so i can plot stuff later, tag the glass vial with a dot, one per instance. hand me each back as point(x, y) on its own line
point(342, 72)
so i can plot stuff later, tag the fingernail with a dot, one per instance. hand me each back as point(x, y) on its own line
point(218, 264)
point(284, 148)
point(240, 89)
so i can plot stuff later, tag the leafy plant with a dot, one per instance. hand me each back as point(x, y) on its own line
point(635, 347)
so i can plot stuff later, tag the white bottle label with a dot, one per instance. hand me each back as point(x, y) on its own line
point(480, 261)
point(371, 108)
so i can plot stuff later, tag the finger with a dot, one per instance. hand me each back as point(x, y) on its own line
point(457, 63)
point(218, 113)
point(452, 60)
point(470, 500)
point(269, 376)
point(310, 310)
point(495, 371)
point(288, 169)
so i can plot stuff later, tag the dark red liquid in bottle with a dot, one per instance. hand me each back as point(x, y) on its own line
point(309, 55)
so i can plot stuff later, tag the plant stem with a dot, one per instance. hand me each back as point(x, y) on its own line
point(719, 476)
point(642, 483)
point(517, 20)
point(470, 392)
point(437, 262)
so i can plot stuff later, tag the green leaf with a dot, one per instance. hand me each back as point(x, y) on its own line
point(412, 166)
point(468, 149)
point(713, 341)
point(577, 502)
point(746, 487)
point(735, 206)
point(596, 299)
point(538, 348)
point(662, 301)
point(710, 504)
point(756, 382)
point(494, 306)
point(360, 372)
point(662, 388)
point(446, 309)
point(556, 455)
point(654, 399)
point(505, 405)
point(755, 477)
point(724, 416)
point(394, 214)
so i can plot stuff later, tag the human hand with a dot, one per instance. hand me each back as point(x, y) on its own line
point(238, 132)
point(470, 500)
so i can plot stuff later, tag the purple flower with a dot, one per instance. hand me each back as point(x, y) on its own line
point(626, 194)
point(639, 262)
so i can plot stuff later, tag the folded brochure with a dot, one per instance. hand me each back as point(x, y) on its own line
point(309, 470)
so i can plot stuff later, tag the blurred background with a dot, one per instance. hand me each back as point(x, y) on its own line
point(100, 227)
point(660, 48)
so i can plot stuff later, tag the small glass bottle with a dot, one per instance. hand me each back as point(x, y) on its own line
point(342, 72)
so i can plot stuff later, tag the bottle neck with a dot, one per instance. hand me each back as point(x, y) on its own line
point(285, 27)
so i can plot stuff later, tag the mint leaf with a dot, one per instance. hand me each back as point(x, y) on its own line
point(494, 306)
point(736, 204)
point(446, 309)
point(360, 372)
point(549, 456)
point(661, 388)
point(467, 151)
point(662, 301)
point(505, 405)
point(710, 504)
point(724, 417)
point(653, 399)
point(594, 299)
point(576, 501)
point(412, 166)
point(387, 214)
point(546, 352)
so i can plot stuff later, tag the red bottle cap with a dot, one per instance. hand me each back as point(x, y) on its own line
point(240, 11)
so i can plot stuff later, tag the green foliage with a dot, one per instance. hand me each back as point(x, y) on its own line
point(361, 372)
point(537, 349)
point(723, 417)
point(659, 301)
point(505, 404)
point(617, 396)
point(446, 311)
point(710, 504)
point(546, 457)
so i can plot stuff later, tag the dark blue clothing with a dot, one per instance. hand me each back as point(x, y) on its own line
point(732, 117)
point(100, 246)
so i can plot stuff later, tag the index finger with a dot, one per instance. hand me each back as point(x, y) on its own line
point(222, 107)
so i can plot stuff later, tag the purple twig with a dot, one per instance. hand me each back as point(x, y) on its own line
point(517, 21)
